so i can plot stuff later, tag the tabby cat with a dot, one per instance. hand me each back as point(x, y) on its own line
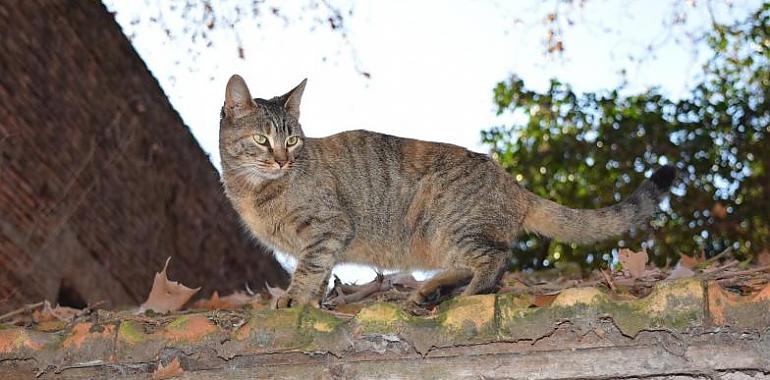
point(390, 202)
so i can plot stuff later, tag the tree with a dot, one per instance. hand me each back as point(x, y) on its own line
point(589, 150)
point(194, 24)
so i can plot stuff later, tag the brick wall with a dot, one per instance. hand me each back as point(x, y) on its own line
point(99, 179)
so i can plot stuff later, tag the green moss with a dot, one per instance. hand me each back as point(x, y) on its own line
point(382, 318)
point(178, 323)
point(517, 320)
point(672, 305)
point(319, 321)
point(469, 316)
point(131, 332)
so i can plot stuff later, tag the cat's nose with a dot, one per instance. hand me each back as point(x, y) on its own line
point(281, 163)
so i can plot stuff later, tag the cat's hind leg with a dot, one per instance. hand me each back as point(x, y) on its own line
point(480, 267)
point(488, 267)
point(441, 285)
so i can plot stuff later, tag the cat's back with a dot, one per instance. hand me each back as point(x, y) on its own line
point(379, 172)
point(368, 152)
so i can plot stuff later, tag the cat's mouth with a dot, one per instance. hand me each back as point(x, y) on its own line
point(282, 165)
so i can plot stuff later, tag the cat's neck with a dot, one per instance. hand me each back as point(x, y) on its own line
point(237, 184)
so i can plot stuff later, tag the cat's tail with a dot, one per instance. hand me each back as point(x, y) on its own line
point(586, 226)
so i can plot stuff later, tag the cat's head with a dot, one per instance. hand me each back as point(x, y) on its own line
point(259, 139)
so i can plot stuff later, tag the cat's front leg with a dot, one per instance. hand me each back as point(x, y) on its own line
point(315, 263)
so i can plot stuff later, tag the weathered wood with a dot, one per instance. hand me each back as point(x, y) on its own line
point(563, 355)
point(100, 181)
point(683, 329)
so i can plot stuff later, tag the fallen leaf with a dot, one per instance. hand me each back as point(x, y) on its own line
point(633, 262)
point(172, 369)
point(166, 295)
point(541, 300)
point(48, 313)
point(692, 262)
point(680, 271)
point(231, 302)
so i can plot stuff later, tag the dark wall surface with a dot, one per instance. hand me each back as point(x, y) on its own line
point(100, 180)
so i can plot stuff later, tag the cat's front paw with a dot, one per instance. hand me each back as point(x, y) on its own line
point(285, 301)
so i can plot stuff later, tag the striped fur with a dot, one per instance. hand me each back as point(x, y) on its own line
point(390, 202)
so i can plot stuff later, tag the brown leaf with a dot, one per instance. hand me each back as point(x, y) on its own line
point(172, 369)
point(231, 302)
point(541, 300)
point(633, 262)
point(692, 262)
point(48, 313)
point(166, 295)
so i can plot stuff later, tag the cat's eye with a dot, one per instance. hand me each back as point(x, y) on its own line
point(292, 140)
point(259, 139)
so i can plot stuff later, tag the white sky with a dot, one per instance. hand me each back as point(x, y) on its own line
point(433, 64)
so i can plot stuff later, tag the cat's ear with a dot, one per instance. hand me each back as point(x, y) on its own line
point(238, 102)
point(292, 99)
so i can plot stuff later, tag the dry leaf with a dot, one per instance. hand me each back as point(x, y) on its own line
point(633, 262)
point(692, 262)
point(166, 295)
point(541, 300)
point(48, 313)
point(680, 271)
point(173, 369)
point(232, 302)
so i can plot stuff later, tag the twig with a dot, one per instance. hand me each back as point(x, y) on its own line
point(362, 292)
point(21, 310)
point(765, 268)
point(721, 269)
point(714, 258)
point(608, 279)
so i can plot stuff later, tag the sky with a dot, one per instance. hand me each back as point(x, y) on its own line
point(432, 64)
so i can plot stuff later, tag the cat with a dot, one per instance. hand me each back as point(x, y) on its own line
point(390, 202)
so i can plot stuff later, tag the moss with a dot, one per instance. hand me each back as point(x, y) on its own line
point(382, 318)
point(274, 330)
point(319, 321)
point(674, 305)
point(517, 320)
point(131, 332)
point(179, 323)
point(281, 318)
point(470, 316)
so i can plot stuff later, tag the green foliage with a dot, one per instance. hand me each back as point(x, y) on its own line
point(589, 150)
